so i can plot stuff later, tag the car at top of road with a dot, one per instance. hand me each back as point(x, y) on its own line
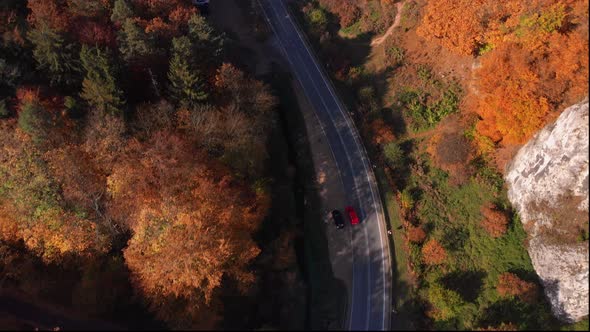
point(354, 219)
point(203, 6)
point(338, 220)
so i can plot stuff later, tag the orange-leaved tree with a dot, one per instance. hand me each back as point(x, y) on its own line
point(346, 11)
point(433, 253)
point(49, 13)
point(495, 222)
point(191, 223)
point(510, 284)
point(457, 24)
point(416, 234)
point(534, 58)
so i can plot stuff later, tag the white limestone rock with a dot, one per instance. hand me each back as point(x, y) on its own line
point(548, 186)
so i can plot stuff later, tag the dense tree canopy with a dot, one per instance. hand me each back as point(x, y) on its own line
point(92, 168)
point(192, 221)
point(534, 58)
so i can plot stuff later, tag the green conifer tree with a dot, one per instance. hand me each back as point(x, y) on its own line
point(99, 88)
point(186, 86)
point(121, 12)
point(134, 43)
point(53, 55)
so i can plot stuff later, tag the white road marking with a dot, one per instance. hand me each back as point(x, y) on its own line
point(322, 127)
point(363, 157)
point(356, 140)
point(351, 168)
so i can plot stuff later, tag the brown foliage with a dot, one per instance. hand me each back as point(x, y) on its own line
point(10, 32)
point(52, 120)
point(159, 27)
point(511, 285)
point(180, 15)
point(495, 222)
point(347, 12)
point(501, 327)
point(159, 8)
point(47, 99)
point(8, 224)
point(103, 139)
point(73, 169)
point(48, 12)
point(163, 18)
point(88, 8)
point(246, 95)
point(382, 133)
point(416, 234)
point(433, 253)
point(150, 118)
point(94, 33)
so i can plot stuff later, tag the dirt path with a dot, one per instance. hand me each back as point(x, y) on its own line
point(398, 16)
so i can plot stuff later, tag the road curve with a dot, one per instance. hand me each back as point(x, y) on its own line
point(370, 303)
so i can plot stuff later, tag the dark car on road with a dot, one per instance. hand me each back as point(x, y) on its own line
point(338, 219)
point(203, 6)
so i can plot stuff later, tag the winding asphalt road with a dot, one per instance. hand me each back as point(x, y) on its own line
point(370, 303)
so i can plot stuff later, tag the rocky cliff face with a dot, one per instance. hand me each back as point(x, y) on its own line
point(548, 185)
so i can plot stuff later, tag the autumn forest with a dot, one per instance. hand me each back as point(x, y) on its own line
point(130, 149)
point(152, 175)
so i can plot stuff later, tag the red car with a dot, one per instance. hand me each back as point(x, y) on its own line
point(354, 219)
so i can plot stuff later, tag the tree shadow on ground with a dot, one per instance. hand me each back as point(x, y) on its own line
point(526, 275)
point(409, 316)
point(78, 293)
point(468, 284)
point(526, 316)
point(326, 296)
point(393, 117)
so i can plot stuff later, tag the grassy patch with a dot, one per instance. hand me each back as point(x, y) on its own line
point(395, 55)
point(403, 294)
point(462, 291)
point(430, 101)
point(410, 15)
point(579, 326)
point(352, 30)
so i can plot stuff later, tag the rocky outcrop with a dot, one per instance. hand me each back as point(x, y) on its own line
point(548, 186)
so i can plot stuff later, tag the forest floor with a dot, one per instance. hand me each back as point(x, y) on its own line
point(18, 312)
